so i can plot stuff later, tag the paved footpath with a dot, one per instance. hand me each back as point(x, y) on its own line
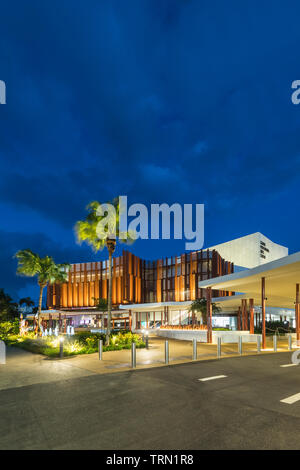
point(25, 368)
point(249, 402)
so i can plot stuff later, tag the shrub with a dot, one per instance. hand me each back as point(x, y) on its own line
point(9, 328)
point(89, 339)
point(81, 343)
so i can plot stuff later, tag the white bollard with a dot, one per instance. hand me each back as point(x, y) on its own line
point(219, 349)
point(290, 342)
point(167, 352)
point(194, 349)
point(275, 343)
point(240, 345)
point(133, 355)
point(100, 349)
point(258, 343)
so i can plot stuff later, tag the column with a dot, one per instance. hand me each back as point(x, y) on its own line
point(246, 314)
point(297, 316)
point(243, 314)
point(239, 319)
point(251, 311)
point(263, 311)
point(209, 315)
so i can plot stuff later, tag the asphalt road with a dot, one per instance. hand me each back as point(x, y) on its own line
point(160, 408)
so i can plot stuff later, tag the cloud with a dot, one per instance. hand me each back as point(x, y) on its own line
point(162, 101)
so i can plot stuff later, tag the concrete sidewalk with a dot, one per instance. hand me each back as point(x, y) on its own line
point(179, 352)
point(25, 368)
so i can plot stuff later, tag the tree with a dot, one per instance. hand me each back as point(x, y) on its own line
point(101, 231)
point(8, 308)
point(101, 305)
point(47, 272)
point(200, 306)
point(27, 301)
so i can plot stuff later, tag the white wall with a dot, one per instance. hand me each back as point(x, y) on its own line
point(246, 251)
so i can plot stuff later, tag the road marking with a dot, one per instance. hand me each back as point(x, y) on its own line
point(288, 365)
point(212, 378)
point(292, 399)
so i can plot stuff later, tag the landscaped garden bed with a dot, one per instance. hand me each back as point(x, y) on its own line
point(80, 343)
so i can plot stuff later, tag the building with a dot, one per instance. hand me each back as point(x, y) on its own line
point(147, 294)
point(137, 281)
point(251, 250)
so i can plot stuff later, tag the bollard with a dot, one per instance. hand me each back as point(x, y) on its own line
point(100, 349)
point(219, 347)
point(133, 355)
point(194, 349)
point(258, 343)
point(290, 342)
point(167, 352)
point(275, 343)
point(61, 348)
point(147, 342)
point(240, 345)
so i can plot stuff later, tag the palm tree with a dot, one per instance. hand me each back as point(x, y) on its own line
point(200, 305)
point(101, 305)
point(31, 264)
point(98, 237)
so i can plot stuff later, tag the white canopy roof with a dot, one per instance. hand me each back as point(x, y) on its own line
point(281, 278)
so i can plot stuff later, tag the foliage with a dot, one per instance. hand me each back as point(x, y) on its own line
point(47, 272)
point(200, 306)
point(27, 301)
point(93, 231)
point(101, 304)
point(9, 328)
point(100, 229)
point(8, 309)
point(278, 327)
point(81, 343)
point(86, 337)
point(31, 264)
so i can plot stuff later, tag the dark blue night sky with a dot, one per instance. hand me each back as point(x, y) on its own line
point(162, 100)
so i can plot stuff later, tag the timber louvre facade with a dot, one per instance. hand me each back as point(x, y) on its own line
point(138, 281)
